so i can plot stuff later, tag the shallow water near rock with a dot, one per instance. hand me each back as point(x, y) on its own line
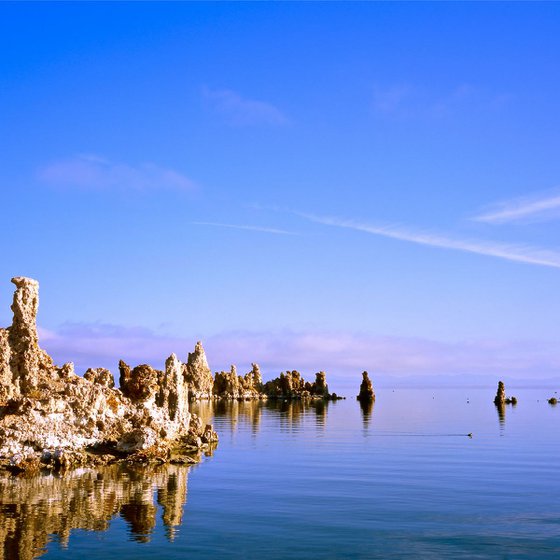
point(401, 479)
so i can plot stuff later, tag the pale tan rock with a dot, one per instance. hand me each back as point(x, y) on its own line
point(226, 384)
point(22, 337)
point(173, 393)
point(198, 374)
point(321, 389)
point(101, 376)
point(51, 411)
point(6, 382)
point(252, 382)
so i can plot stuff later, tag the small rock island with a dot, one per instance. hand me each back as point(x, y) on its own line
point(367, 394)
point(500, 399)
point(52, 418)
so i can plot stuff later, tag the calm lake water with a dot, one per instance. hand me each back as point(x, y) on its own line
point(402, 480)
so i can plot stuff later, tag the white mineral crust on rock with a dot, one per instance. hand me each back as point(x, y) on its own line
point(49, 411)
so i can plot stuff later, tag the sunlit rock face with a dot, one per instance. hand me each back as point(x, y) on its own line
point(252, 381)
point(366, 394)
point(37, 509)
point(51, 416)
point(198, 374)
point(22, 362)
point(320, 387)
point(229, 385)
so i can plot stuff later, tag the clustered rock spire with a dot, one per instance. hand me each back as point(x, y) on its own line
point(198, 374)
point(50, 416)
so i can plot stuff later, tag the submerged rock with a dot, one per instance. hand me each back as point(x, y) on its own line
point(553, 400)
point(367, 394)
point(50, 415)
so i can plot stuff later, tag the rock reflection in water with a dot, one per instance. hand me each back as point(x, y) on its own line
point(501, 408)
point(249, 412)
point(292, 412)
point(367, 411)
point(34, 510)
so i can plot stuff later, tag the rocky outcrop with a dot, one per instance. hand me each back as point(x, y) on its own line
point(22, 362)
point(49, 416)
point(226, 384)
point(367, 394)
point(229, 385)
point(500, 399)
point(291, 385)
point(252, 381)
point(101, 376)
point(320, 387)
point(198, 374)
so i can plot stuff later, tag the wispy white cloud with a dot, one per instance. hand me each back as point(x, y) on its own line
point(343, 355)
point(247, 227)
point(512, 252)
point(524, 210)
point(390, 99)
point(412, 101)
point(242, 111)
point(96, 173)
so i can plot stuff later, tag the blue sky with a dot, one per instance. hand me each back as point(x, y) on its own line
point(338, 186)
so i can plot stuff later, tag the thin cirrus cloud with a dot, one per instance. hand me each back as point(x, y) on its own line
point(412, 101)
point(242, 111)
point(524, 210)
point(511, 252)
point(92, 172)
point(247, 228)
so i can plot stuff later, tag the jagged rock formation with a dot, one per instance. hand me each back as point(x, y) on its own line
point(198, 374)
point(22, 362)
point(34, 509)
point(229, 385)
point(49, 416)
point(500, 399)
point(367, 394)
point(291, 385)
point(253, 380)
